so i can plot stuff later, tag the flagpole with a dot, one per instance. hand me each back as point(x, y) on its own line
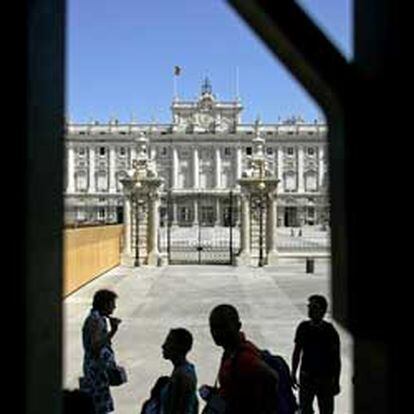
point(175, 87)
point(237, 83)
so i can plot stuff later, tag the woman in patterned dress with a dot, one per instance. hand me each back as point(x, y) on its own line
point(98, 353)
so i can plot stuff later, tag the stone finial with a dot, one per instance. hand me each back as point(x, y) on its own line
point(206, 87)
point(143, 166)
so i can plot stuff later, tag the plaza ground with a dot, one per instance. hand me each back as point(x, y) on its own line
point(271, 302)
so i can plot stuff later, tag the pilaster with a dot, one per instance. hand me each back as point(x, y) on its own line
point(300, 169)
point(71, 170)
point(91, 183)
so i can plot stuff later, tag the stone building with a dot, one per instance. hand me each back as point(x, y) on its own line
point(200, 155)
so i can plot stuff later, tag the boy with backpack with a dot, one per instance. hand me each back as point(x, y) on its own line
point(247, 383)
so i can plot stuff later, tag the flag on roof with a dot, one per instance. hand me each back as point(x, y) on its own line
point(177, 70)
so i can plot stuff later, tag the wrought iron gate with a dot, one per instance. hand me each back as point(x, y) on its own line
point(258, 217)
point(201, 228)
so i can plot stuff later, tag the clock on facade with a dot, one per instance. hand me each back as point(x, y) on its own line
point(205, 120)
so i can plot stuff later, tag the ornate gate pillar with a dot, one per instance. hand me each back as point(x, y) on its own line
point(153, 225)
point(258, 183)
point(271, 228)
point(127, 227)
point(141, 205)
point(244, 257)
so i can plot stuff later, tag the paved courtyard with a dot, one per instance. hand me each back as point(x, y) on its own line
point(271, 302)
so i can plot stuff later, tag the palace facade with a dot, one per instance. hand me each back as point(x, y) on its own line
point(200, 155)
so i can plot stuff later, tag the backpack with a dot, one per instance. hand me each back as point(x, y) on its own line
point(285, 400)
point(153, 404)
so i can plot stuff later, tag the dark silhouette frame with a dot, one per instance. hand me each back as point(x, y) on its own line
point(358, 99)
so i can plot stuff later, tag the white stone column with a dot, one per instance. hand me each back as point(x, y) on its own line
point(112, 170)
point(244, 258)
point(71, 170)
point(271, 229)
point(218, 167)
point(127, 257)
point(301, 186)
point(174, 167)
point(238, 163)
point(174, 219)
point(152, 235)
point(195, 206)
point(217, 218)
point(280, 168)
point(133, 156)
point(153, 153)
point(321, 167)
point(91, 186)
point(196, 168)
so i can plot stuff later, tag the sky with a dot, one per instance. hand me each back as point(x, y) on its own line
point(121, 54)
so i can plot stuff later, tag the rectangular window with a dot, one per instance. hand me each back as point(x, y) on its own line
point(102, 151)
point(290, 182)
point(269, 151)
point(101, 214)
point(80, 214)
point(122, 151)
point(185, 214)
point(81, 183)
point(311, 212)
point(207, 215)
point(310, 182)
point(311, 151)
point(102, 182)
point(249, 151)
point(290, 151)
point(227, 151)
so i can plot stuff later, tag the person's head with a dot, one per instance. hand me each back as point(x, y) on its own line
point(317, 306)
point(177, 344)
point(104, 301)
point(225, 325)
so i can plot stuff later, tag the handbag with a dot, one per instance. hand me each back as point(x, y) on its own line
point(215, 402)
point(116, 375)
point(215, 405)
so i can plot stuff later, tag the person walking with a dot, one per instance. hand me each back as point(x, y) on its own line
point(246, 383)
point(317, 349)
point(99, 356)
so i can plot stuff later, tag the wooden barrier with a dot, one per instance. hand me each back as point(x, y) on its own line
point(89, 252)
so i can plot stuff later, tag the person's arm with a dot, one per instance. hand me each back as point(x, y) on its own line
point(336, 353)
point(97, 339)
point(297, 351)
